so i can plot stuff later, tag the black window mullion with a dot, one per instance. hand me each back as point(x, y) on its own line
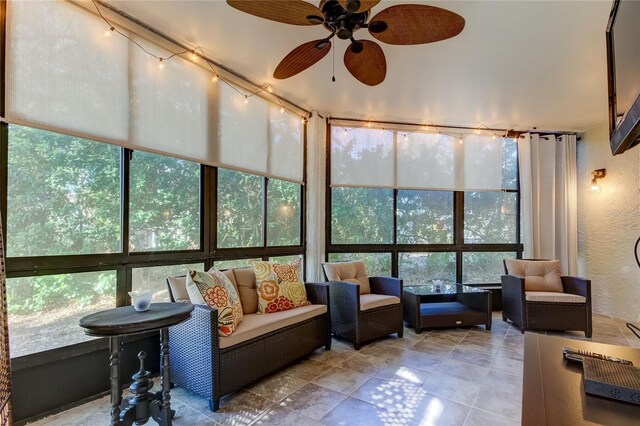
point(265, 207)
point(125, 184)
point(123, 285)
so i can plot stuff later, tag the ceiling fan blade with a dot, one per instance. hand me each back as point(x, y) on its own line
point(369, 65)
point(358, 6)
point(301, 58)
point(294, 12)
point(415, 24)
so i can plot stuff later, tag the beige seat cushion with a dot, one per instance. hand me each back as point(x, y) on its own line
point(255, 325)
point(552, 296)
point(179, 286)
point(370, 301)
point(354, 272)
point(539, 275)
point(246, 281)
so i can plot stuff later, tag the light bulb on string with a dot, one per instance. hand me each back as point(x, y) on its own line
point(194, 57)
point(477, 131)
point(460, 140)
point(160, 64)
point(368, 124)
point(405, 136)
point(109, 32)
point(281, 110)
point(214, 79)
point(269, 89)
point(493, 137)
point(246, 100)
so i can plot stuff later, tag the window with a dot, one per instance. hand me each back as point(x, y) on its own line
point(239, 209)
point(154, 279)
point(44, 310)
point(425, 217)
point(64, 191)
point(165, 203)
point(422, 268)
point(509, 164)
point(361, 216)
point(283, 215)
point(378, 264)
point(490, 217)
point(483, 267)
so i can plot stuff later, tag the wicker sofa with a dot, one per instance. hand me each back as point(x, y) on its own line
point(213, 366)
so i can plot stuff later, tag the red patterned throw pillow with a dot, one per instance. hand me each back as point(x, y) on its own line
point(279, 286)
point(214, 289)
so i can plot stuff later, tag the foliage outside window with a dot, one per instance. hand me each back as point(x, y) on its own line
point(236, 263)
point(378, 264)
point(154, 279)
point(425, 217)
point(490, 217)
point(165, 203)
point(239, 209)
point(422, 268)
point(44, 310)
point(361, 216)
point(283, 215)
point(484, 267)
point(63, 195)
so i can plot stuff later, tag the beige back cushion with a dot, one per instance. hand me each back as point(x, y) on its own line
point(245, 281)
point(539, 275)
point(355, 272)
point(179, 286)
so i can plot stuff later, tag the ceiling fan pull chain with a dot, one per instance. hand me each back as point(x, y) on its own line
point(333, 71)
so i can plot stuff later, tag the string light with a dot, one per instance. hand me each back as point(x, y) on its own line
point(405, 136)
point(493, 137)
point(460, 140)
point(281, 110)
point(160, 64)
point(246, 100)
point(194, 57)
point(270, 89)
point(214, 79)
point(476, 131)
point(368, 124)
point(109, 32)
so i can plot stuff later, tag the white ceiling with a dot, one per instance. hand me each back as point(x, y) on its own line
point(517, 64)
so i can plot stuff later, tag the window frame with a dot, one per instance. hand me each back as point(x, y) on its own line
point(458, 246)
point(125, 261)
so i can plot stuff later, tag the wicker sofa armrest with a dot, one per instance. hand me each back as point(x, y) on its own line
point(386, 285)
point(576, 285)
point(194, 345)
point(317, 293)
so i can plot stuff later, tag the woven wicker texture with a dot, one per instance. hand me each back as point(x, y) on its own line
point(350, 323)
point(198, 363)
point(5, 366)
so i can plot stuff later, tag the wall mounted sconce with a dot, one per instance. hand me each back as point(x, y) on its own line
point(597, 174)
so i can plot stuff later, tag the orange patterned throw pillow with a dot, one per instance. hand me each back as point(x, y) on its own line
point(279, 286)
point(214, 289)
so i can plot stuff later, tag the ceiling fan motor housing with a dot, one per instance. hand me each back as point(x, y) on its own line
point(340, 21)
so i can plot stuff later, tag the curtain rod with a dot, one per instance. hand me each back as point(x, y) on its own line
point(162, 35)
point(401, 123)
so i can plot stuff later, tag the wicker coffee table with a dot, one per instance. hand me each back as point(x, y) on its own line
point(450, 305)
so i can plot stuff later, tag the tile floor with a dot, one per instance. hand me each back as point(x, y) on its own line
point(448, 377)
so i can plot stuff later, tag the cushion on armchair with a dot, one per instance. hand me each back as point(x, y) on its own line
point(553, 297)
point(354, 272)
point(371, 301)
point(539, 275)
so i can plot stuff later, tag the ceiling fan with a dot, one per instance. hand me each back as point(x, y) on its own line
point(400, 25)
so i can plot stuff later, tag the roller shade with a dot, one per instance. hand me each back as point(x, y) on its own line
point(413, 159)
point(63, 74)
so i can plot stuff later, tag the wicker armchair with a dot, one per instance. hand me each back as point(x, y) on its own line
point(569, 309)
point(359, 316)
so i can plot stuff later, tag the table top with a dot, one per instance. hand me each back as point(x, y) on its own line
point(553, 391)
point(431, 289)
point(126, 320)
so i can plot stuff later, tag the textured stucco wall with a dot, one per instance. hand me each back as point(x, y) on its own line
point(609, 224)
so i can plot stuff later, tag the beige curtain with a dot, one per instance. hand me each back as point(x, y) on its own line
point(549, 199)
point(5, 359)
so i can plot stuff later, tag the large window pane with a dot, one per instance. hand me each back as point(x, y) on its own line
point(490, 217)
point(239, 209)
point(154, 279)
point(425, 217)
point(283, 215)
point(378, 264)
point(361, 216)
point(63, 195)
point(235, 263)
point(44, 310)
point(422, 268)
point(165, 203)
point(509, 164)
point(482, 267)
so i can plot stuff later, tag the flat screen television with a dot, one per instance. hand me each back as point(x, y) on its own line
point(623, 64)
